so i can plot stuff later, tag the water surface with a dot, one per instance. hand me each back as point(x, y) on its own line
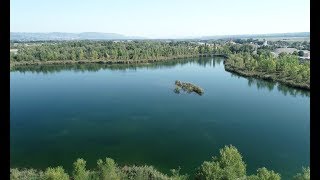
point(131, 114)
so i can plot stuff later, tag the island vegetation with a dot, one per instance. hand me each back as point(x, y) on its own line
point(229, 165)
point(187, 87)
point(245, 57)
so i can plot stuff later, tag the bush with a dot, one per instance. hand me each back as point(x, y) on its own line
point(56, 173)
point(228, 166)
point(108, 170)
point(80, 172)
point(25, 174)
point(304, 175)
point(176, 175)
point(301, 53)
point(265, 174)
point(143, 172)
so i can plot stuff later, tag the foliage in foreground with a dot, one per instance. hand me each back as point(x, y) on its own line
point(228, 166)
point(304, 175)
point(265, 174)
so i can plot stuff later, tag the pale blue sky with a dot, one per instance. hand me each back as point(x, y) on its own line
point(161, 18)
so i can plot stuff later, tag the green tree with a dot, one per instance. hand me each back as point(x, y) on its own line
point(177, 176)
point(304, 175)
point(301, 53)
point(55, 174)
point(73, 55)
point(79, 170)
point(108, 170)
point(94, 55)
point(80, 54)
point(228, 166)
point(25, 174)
point(265, 174)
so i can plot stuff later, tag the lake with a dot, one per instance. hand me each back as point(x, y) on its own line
point(131, 114)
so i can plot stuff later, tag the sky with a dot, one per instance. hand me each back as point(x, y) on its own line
point(161, 18)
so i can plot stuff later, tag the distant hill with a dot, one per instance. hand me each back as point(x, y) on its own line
point(23, 36)
point(274, 35)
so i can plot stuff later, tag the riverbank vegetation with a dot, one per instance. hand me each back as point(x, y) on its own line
point(102, 51)
point(285, 69)
point(245, 58)
point(187, 87)
point(229, 165)
point(124, 52)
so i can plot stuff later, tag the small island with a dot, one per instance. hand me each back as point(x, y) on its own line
point(187, 87)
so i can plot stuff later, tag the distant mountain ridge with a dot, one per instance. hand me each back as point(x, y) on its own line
point(23, 36)
point(26, 36)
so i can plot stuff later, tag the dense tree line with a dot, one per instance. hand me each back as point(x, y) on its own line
point(117, 67)
point(285, 67)
point(103, 50)
point(109, 50)
point(272, 44)
point(300, 45)
point(135, 50)
point(241, 57)
point(228, 166)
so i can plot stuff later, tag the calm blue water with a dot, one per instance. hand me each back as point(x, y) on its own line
point(131, 114)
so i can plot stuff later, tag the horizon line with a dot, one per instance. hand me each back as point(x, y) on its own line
point(176, 37)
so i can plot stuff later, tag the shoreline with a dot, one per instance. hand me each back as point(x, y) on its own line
point(103, 61)
point(264, 76)
point(227, 67)
point(61, 62)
